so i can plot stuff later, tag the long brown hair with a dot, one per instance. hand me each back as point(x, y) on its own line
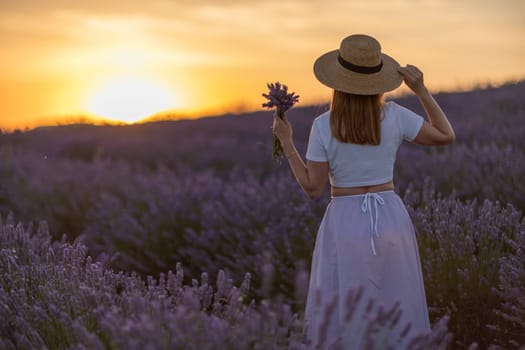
point(356, 118)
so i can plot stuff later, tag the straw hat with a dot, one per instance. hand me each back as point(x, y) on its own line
point(358, 67)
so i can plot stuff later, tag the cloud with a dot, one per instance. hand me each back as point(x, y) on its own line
point(228, 32)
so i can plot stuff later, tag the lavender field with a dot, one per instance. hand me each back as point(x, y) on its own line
point(185, 234)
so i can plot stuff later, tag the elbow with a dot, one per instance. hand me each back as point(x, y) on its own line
point(445, 139)
point(450, 138)
point(314, 193)
point(314, 196)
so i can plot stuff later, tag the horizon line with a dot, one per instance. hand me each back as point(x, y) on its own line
point(174, 115)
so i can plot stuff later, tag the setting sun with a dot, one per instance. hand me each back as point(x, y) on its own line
point(126, 60)
point(130, 99)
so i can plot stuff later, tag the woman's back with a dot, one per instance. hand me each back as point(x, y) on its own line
point(353, 165)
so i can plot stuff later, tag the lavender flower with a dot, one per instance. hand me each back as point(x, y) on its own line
point(278, 97)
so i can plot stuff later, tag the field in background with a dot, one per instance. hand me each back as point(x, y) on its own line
point(205, 193)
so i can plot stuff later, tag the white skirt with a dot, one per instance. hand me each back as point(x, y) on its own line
point(368, 241)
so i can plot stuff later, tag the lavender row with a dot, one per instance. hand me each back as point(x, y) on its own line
point(471, 253)
point(483, 171)
point(147, 221)
point(143, 221)
point(487, 160)
point(54, 296)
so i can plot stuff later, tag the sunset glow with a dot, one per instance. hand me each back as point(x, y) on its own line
point(130, 100)
point(60, 58)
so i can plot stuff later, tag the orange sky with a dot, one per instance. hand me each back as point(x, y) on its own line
point(126, 59)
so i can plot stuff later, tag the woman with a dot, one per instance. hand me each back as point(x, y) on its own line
point(366, 237)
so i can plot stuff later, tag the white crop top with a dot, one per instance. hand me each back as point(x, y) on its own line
point(363, 165)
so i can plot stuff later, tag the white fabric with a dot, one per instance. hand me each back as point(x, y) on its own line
point(390, 273)
point(363, 165)
point(366, 205)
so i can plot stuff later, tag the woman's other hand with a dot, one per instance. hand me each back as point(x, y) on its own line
point(282, 128)
point(413, 78)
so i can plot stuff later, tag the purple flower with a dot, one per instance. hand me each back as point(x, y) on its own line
point(279, 97)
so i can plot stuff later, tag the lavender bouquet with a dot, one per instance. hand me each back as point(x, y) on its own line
point(279, 97)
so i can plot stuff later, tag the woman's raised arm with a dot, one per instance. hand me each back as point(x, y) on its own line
point(437, 131)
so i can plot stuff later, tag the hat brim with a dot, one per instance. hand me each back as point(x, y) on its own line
point(331, 73)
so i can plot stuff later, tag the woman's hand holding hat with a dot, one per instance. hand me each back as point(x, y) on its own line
point(413, 78)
